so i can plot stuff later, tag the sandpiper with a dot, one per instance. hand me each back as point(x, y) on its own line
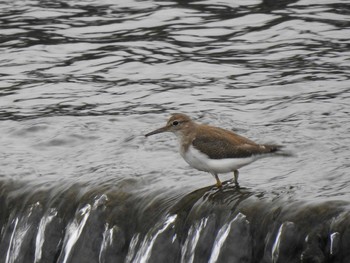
point(214, 150)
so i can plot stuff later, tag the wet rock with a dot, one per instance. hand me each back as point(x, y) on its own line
point(207, 225)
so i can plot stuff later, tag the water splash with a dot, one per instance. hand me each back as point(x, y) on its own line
point(106, 242)
point(276, 244)
point(221, 237)
point(334, 238)
point(145, 250)
point(10, 251)
point(21, 227)
point(40, 237)
point(74, 230)
point(99, 201)
point(132, 248)
point(187, 251)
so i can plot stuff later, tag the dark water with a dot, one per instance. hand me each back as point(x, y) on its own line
point(82, 81)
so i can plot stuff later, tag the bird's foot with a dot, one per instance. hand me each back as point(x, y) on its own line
point(236, 174)
point(218, 182)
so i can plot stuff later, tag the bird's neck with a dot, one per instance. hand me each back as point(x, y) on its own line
point(186, 135)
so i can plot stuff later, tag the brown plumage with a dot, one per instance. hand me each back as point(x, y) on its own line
point(218, 143)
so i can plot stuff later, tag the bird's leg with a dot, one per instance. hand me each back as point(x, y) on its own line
point(218, 182)
point(236, 173)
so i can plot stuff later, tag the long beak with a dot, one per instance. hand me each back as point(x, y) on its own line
point(160, 130)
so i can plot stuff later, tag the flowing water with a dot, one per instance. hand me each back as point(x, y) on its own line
point(81, 82)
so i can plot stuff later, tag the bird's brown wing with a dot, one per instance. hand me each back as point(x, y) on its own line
point(218, 147)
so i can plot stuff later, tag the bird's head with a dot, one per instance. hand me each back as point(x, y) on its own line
point(176, 124)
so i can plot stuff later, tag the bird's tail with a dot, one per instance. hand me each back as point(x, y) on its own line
point(280, 150)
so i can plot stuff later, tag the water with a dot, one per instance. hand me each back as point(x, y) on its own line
point(81, 82)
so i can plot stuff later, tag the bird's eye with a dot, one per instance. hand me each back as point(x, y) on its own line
point(175, 123)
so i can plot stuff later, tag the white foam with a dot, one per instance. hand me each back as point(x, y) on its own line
point(145, 250)
point(222, 236)
point(277, 243)
point(74, 230)
point(187, 250)
point(40, 237)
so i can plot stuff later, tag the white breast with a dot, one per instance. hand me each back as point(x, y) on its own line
point(202, 162)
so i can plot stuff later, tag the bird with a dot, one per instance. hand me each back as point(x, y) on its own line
point(213, 149)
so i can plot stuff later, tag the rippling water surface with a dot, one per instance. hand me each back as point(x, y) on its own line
point(82, 81)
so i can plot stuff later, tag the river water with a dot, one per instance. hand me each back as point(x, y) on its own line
point(81, 82)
